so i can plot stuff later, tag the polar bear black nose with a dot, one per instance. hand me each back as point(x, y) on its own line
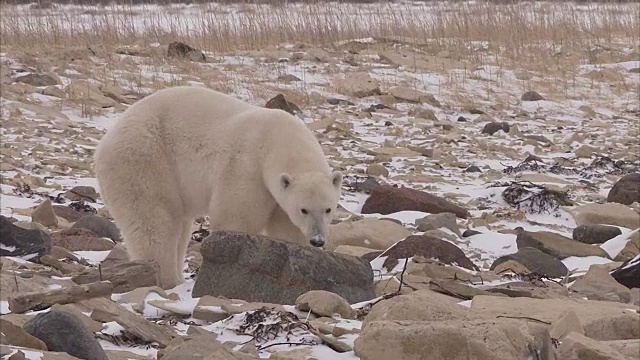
point(317, 241)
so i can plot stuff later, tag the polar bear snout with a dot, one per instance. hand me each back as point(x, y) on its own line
point(318, 240)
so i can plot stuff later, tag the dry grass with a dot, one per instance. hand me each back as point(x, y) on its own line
point(528, 35)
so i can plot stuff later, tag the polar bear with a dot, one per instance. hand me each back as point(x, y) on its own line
point(185, 152)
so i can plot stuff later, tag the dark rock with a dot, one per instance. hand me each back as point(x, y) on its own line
point(493, 127)
point(182, 50)
point(595, 234)
point(470, 232)
point(100, 225)
point(335, 101)
point(37, 79)
point(125, 276)
point(635, 71)
point(531, 96)
point(473, 169)
point(387, 199)
point(63, 332)
point(557, 245)
point(371, 255)
point(288, 78)
point(431, 248)
point(67, 213)
point(366, 186)
point(628, 274)
point(82, 193)
point(476, 112)
point(536, 261)
point(626, 191)
point(462, 119)
point(388, 123)
point(79, 239)
point(260, 269)
point(279, 102)
point(19, 242)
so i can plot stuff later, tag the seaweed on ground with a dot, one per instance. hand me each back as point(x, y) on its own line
point(83, 207)
point(598, 168)
point(533, 198)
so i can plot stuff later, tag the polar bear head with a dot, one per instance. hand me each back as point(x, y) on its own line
point(310, 200)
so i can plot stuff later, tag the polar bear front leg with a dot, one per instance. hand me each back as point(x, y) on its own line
point(281, 227)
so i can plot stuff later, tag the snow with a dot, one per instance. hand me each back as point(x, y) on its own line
point(615, 245)
point(577, 264)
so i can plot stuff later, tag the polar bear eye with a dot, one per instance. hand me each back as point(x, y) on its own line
point(328, 211)
point(304, 211)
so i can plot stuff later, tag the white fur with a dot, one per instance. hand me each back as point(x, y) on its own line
point(185, 152)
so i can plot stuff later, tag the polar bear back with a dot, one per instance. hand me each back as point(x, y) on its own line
point(211, 138)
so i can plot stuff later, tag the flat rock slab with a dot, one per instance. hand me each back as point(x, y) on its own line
point(429, 247)
point(260, 269)
point(387, 199)
point(124, 276)
point(536, 261)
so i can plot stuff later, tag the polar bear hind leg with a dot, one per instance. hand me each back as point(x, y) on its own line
point(148, 210)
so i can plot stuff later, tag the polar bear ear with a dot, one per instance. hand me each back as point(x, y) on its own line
point(285, 180)
point(337, 179)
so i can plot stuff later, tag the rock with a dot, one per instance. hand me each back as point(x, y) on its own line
point(198, 348)
point(493, 127)
point(101, 226)
point(595, 233)
point(84, 90)
point(53, 91)
point(531, 289)
point(16, 335)
point(428, 247)
point(626, 190)
point(597, 284)
point(287, 78)
point(436, 221)
point(628, 274)
point(105, 310)
point(44, 214)
point(405, 93)
point(324, 303)
point(531, 96)
point(62, 331)
point(370, 233)
point(557, 245)
point(412, 307)
point(609, 213)
point(601, 320)
point(631, 249)
point(585, 151)
point(566, 323)
point(67, 213)
point(20, 242)
point(472, 169)
point(279, 102)
point(179, 49)
point(78, 239)
point(82, 193)
point(359, 85)
point(470, 232)
point(498, 339)
point(117, 255)
point(125, 276)
point(387, 199)
point(629, 348)
point(423, 113)
point(535, 261)
point(377, 170)
point(458, 289)
point(257, 268)
point(35, 79)
point(576, 346)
